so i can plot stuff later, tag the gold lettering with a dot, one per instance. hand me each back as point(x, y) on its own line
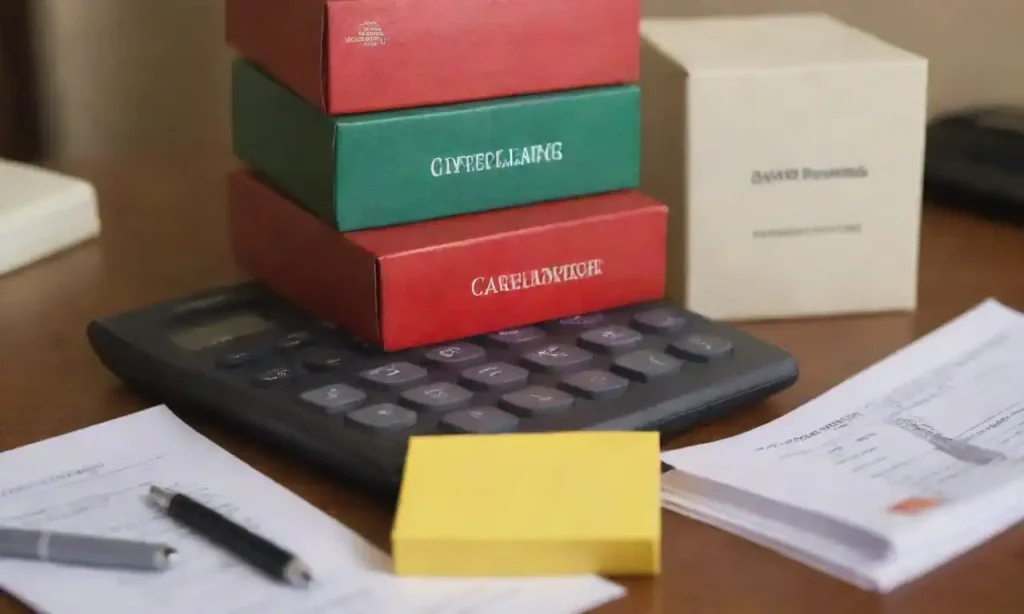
point(524, 280)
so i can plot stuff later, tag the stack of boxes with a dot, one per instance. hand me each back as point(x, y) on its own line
point(420, 172)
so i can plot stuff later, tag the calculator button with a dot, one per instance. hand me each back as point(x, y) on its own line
point(495, 376)
point(701, 348)
point(479, 420)
point(323, 361)
point(234, 360)
point(437, 397)
point(582, 321)
point(296, 340)
point(536, 401)
point(613, 338)
point(334, 398)
point(456, 355)
point(273, 376)
point(646, 365)
point(659, 320)
point(558, 357)
point(382, 417)
point(395, 375)
point(516, 336)
point(595, 384)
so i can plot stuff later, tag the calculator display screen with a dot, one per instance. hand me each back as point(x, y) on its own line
point(211, 333)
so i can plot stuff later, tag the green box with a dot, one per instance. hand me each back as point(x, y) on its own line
point(395, 167)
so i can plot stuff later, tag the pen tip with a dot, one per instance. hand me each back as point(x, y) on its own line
point(166, 557)
point(160, 496)
point(298, 574)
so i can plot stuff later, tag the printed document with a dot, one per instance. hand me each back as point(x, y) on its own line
point(888, 475)
point(96, 480)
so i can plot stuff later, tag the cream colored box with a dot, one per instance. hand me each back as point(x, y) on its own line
point(789, 149)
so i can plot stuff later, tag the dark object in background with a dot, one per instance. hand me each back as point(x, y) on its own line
point(21, 124)
point(975, 161)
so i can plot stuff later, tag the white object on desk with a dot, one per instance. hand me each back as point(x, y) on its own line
point(96, 481)
point(42, 212)
point(889, 475)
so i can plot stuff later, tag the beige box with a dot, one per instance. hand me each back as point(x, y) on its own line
point(790, 151)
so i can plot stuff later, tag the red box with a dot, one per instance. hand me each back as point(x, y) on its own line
point(353, 56)
point(456, 277)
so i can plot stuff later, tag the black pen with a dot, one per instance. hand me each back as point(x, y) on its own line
point(243, 543)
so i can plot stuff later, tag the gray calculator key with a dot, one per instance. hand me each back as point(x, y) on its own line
point(659, 320)
point(516, 336)
point(701, 348)
point(272, 377)
point(439, 396)
point(395, 375)
point(479, 420)
point(456, 355)
point(334, 398)
point(536, 401)
point(596, 384)
point(495, 376)
point(582, 321)
point(612, 338)
point(382, 417)
point(646, 365)
point(558, 357)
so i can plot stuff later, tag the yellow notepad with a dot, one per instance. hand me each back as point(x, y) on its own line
point(530, 504)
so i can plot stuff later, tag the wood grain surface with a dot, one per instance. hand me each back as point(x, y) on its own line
point(164, 235)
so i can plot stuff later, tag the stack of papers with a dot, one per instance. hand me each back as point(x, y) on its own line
point(887, 476)
point(96, 480)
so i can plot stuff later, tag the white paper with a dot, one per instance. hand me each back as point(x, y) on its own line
point(941, 421)
point(95, 481)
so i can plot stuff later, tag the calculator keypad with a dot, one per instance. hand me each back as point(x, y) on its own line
point(497, 382)
point(456, 355)
point(613, 338)
point(495, 376)
point(659, 320)
point(325, 360)
point(596, 384)
point(395, 375)
point(646, 365)
point(536, 401)
point(516, 337)
point(479, 420)
point(383, 417)
point(701, 348)
point(273, 376)
point(334, 398)
point(441, 396)
point(558, 357)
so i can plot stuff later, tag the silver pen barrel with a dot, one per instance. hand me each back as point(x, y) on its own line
point(88, 551)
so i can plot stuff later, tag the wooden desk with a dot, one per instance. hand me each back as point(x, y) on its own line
point(164, 235)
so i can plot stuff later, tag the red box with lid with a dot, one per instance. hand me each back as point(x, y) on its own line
point(433, 282)
point(355, 56)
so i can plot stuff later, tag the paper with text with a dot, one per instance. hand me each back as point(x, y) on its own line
point(929, 442)
point(95, 481)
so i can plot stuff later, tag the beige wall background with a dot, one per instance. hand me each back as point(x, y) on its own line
point(150, 77)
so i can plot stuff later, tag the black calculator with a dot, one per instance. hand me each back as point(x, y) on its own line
point(248, 358)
